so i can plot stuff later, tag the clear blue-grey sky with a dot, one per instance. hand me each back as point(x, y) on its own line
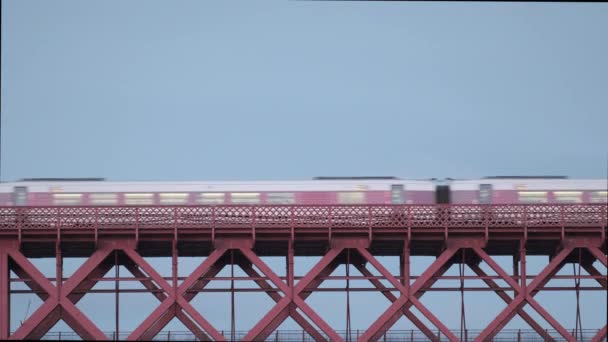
point(188, 90)
point(293, 89)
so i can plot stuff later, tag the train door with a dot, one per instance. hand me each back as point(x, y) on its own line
point(20, 195)
point(397, 195)
point(485, 193)
point(442, 194)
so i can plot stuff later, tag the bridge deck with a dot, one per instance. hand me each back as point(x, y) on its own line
point(311, 227)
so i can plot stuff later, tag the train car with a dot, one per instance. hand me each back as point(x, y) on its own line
point(321, 190)
point(528, 190)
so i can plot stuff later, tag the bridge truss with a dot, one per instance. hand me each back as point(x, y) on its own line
point(353, 235)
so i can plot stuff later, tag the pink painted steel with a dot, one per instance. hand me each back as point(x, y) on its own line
point(169, 302)
point(392, 314)
point(504, 296)
point(523, 294)
point(5, 296)
point(168, 316)
point(601, 279)
point(601, 335)
point(38, 324)
point(601, 256)
point(282, 309)
point(309, 328)
point(418, 323)
point(222, 216)
point(238, 228)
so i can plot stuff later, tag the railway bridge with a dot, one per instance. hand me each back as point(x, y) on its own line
point(352, 235)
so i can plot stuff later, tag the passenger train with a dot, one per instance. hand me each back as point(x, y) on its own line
point(320, 190)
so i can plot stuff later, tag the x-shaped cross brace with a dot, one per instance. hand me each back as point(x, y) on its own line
point(58, 303)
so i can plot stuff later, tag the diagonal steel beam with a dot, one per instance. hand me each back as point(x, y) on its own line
point(171, 300)
point(554, 323)
point(149, 270)
point(269, 322)
point(502, 273)
point(84, 327)
point(370, 258)
point(427, 313)
point(43, 319)
point(395, 310)
point(387, 293)
point(198, 318)
point(601, 335)
point(200, 334)
point(149, 321)
point(309, 328)
point(86, 269)
point(520, 300)
point(204, 267)
point(40, 292)
point(46, 324)
point(261, 265)
point(297, 300)
point(34, 327)
point(34, 274)
point(282, 309)
point(594, 272)
point(601, 256)
point(169, 314)
point(73, 316)
point(325, 261)
point(99, 272)
point(504, 296)
point(428, 284)
point(204, 280)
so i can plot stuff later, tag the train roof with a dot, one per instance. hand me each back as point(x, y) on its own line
point(357, 178)
point(526, 177)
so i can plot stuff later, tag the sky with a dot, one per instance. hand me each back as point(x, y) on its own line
point(247, 90)
point(195, 90)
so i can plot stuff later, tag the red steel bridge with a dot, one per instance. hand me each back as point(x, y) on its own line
point(353, 235)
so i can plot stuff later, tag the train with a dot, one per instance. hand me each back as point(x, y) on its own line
point(317, 191)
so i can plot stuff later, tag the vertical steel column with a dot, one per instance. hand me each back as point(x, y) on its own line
point(522, 265)
point(348, 334)
point(5, 296)
point(174, 265)
point(58, 269)
point(232, 308)
point(116, 296)
point(515, 264)
point(406, 266)
point(58, 278)
point(290, 273)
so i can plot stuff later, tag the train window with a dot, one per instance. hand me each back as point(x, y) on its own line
point(532, 196)
point(397, 194)
point(568, 196)
point(485, 193)
point(245, 197)
point(174, 198)
point(103, 198)
point(139, 199)
point(281, 198)
point(351, 197)
point(599, 197)
point(211, 198)
point(67, 199)
point(20, 195)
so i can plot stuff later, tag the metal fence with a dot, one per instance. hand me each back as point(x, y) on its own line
point(390, 336)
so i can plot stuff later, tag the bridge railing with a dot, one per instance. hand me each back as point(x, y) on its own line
point(338, 216)
point(523, 335)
